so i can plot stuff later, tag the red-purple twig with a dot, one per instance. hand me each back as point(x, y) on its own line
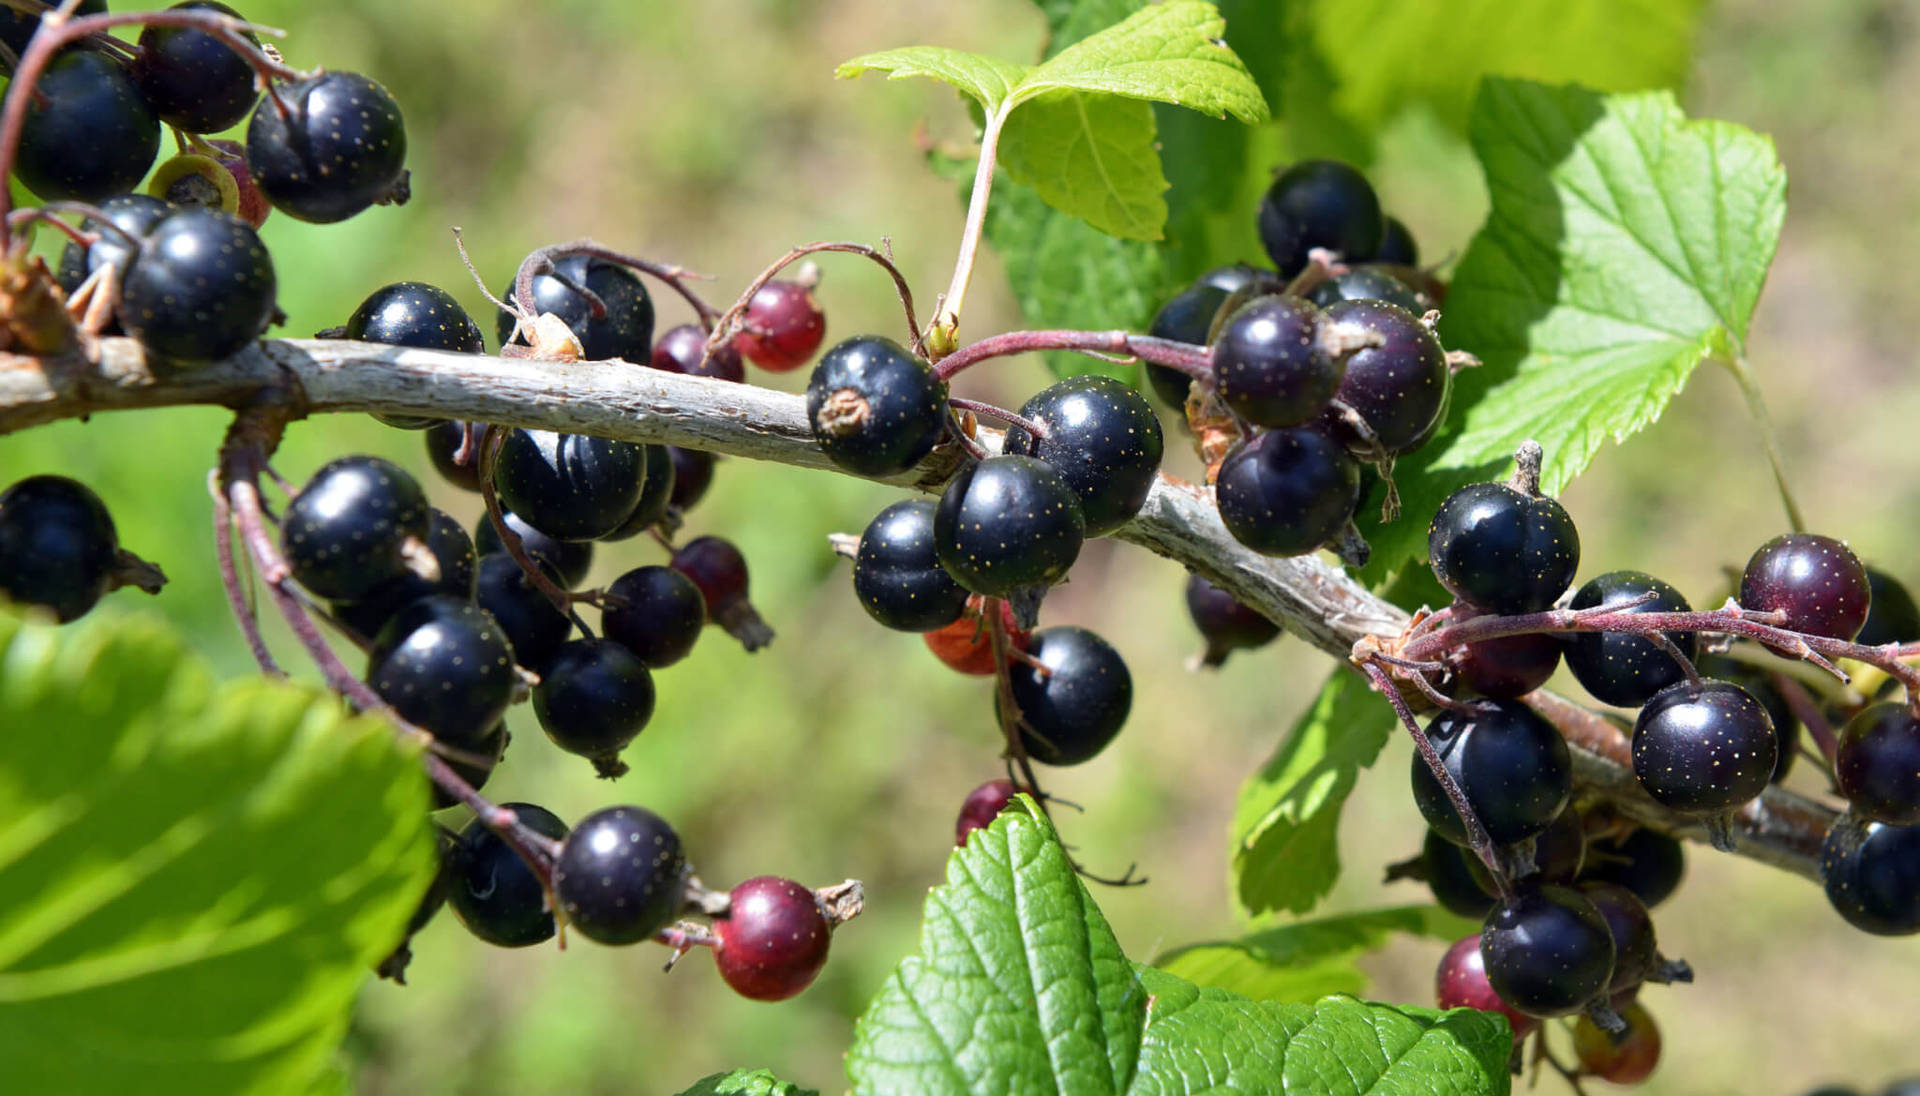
point(733, 320)
point(675, 276)
point(977, 407)
point(1194, 361)
point(243, 613)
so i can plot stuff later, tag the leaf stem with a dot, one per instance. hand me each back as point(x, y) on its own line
point(948, 314)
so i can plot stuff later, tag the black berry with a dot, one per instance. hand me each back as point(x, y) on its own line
point(570, 486)
point(477, 771)
point(773, 940)
point(570, 560)
point(656, 495)
point(784, 326)
point(134, 213)
point(17, 27)
point(445, 440)
point(200, 288)
point(1187, 318)
point(625, 330)
point(1816, 581)
point(1269, 365)
point(1705, 749)
point(681, 349)
point(1103, 439)
point(1500, 550)
point(621, 875)
point(1286, 492)
point(1878, 764)
point(88, 134)
point(1636, 953)
point(594, 697)
point(1367, 283)
point(897, 574)
point(415, 314)
point(1320, 203)
point(1243, 278)
point(1872, 873)
point(194, 81)
point(1008, 525)
point(1512, 765)
point(656, 613)
point(533, 627)
point(340, 147)
point(1509, 667)
point(58, 546)
point(1646, 862)
point(1396, 245)
point(493, 892)
point(453, 558)
point(350, 528)
point(875, 408)
point(1071, 711)
point(1449, 874)
point(446, 667)
point(1548, 952)
point(1758, 681)
point(1224, 623)
point(1400, 387)
point(1892, 617)
point(1622, 669)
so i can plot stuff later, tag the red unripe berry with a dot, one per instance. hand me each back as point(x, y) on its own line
point(966, 645)
point(773, 940)
point(1461, 982)
point(1624, 1059)
point(784, 326)
point(982, 806)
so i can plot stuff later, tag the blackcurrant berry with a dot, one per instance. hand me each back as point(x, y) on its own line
point(656, 495)
point(1636, 953)
point(453, 558)
point(446, 667)
point(1224, 623)
point(1104, 440)
point(1548, 952)
point(350, 529)
point(1623, 669)
point(1878, 764)
point(966, 645)
point(1816, 581)
point(716, 566)
point(594, 697)
point(1558, 853)
point(773, 940)
point(570, 560)
point(784, 326)
point(58, 546)
point(1509, 667)
point(1627, 1058)
point(88, 134)
point(17, 27)
point(982, 805)
point(134, 213)
point(1756, 680)
point(415, 314)
point(1073, 708)
point(492, 748)
point(897, 574)
point(570, 486)
point(1399, 387)
point(1892, 617)
point(1449, 874)
point(1512, 765)
point(875, 408)
point(1286, 492)
point(656, 613)
point(1500, 550)
point(692, 476)
point(533, 627)
point(1269, 365)
point(1396, 245)
point(625, 330)
point(1320, 203)
point(1646, 862)
point(1187, 318)
point(1367, 283)
point(493, 892)
point(194, 81)
point(1242, 278)
point(1705, 749)
point(1461, 982)
point(200, 288)
point(445, 440)
point(681, 349)
point(1008, 526)
point(621, 875)
point(324, 148)
point(1872, 874)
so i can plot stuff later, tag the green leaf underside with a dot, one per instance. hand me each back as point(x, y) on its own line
point(1091, 156)
point(746, 1082)
point(1285, 850)
point(194, 880)
point(1625, 244)
point(989, 81)
point(1307, 960)
point(1020, 986)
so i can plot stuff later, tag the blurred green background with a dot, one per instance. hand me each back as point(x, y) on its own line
point(713, 135)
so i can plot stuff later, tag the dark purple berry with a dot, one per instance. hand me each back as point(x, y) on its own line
point(1816, 581)
point(444, 440)
point(1241, 278)
point(1224, 623)
point(17, 27)
point(1705, 749)
point(570, 486)
point(1646, 862)
point(784, 326)
point(418, 315)
point(681, 349)
point(1622, 669)
point(88, 134)
point(594, 697)
point(692, 476)
point(1758, 681)
point(1512, 765)
point(446, 667)
point(476, 772)
point(875, 408)
point(1878, 764)
point(1320, 203)
point(453, 558)
point(493, 891)
point(1502, 551)
point(58, 547)
point(625, 331)
point(350, 529)
point(1396, 245)
point(1187, 318)
point(1103, 439)
point(1070, 712)
point(1269, 365)
point(1449, 874)
point(655, 612)
point(1636, 954)
point(982, 805)
point(1400, 387)
point(1008, 526)
point(340, 147)
point(532, 625)
point(1509, 667)
point(621, 875)
point(136, 214)
point(1558, 853)
point(1892, 617)
point(897, 574)
point(194, 81)
point(1872, 873)
point(656, 495)
point(1549, 952)
point(200, 288)
point(1286, 492)
point(1367, 283)
point(570, 560)
point(773, 940)
point(716, 566)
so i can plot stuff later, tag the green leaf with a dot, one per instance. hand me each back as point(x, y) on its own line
point(1435, 54)
point(1201, 1039)
point(1091, 156)
point(746, 1082)
point(1170, 52)
point(1625, 244)
point(988, 80)
point(1020, 986)
point(194, 881)
point(1307, 960)
point(1285, 852)
point(1068, 21)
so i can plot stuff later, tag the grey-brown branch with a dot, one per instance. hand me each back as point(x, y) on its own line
point(1311, 598)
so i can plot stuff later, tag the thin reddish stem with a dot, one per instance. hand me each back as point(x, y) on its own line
point(733, 320)
point(1001, 413)
point(237, 601)
point(1194, 361)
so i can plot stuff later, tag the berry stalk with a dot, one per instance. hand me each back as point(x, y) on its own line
point(1194, 361)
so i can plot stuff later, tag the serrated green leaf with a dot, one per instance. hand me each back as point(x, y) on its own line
point(1068, 21)
point(1201, 1039)
point(988, 80)
point(1170, 52)
point(746, 1082)
point(1625, 245)
point(194, 881)
point(1285, 852)
point(1307, 960)
point(1091, 156)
